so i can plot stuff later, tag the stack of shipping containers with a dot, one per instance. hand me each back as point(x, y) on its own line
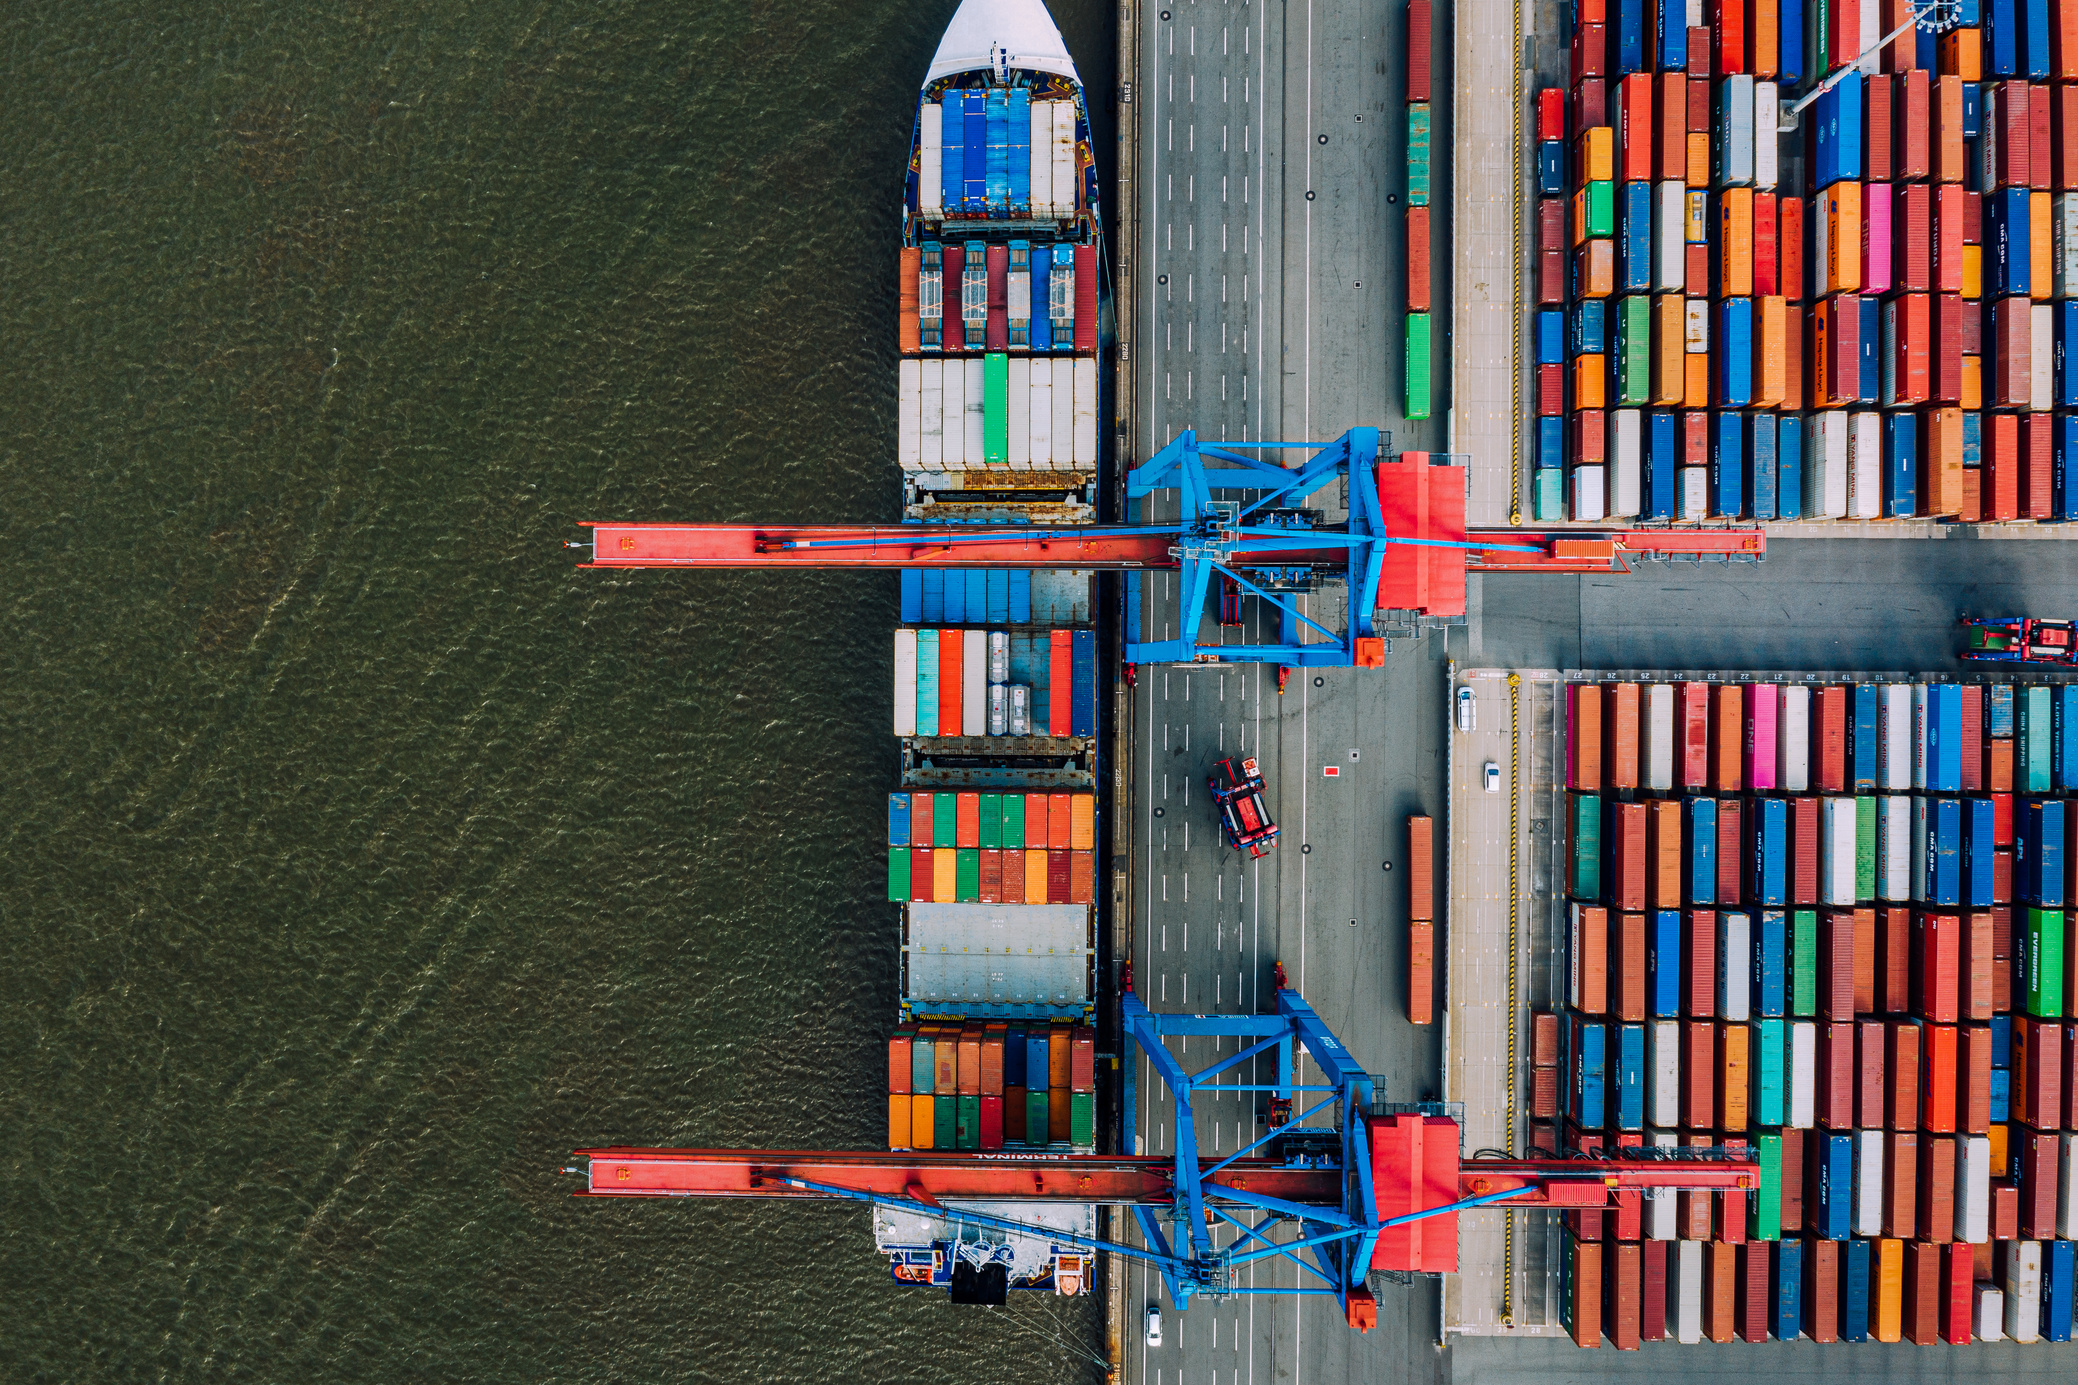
point(1863, 319)
point(991, 846)
point(1826, 922)
point(1420, 274)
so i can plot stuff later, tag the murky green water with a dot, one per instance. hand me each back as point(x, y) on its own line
point(361, 858)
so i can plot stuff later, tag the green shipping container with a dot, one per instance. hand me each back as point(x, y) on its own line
point(1766, 1072)
point(1035, 1116)
point(1548, 493)
point(2044, 964)
point(1601, 210)
point(923, 1065)
point(1013, 819)
point(1764, 1208)
point(995, 408)
point(966, 881)
point(1634, 350)
point(1418, 156)
point(945, 823)
point(991, 820)
point(1864, 850)
point(2033, 752)
point(1082, 1120)
point(1803, 962)
point(1587, 846)
point(1418, 365)
point(945, 1120)
point(968, 1132)
point(898, 873)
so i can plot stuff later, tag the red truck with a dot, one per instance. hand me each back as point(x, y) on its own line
point(1237, 787)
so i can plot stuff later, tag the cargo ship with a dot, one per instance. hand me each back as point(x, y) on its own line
point(992, 827)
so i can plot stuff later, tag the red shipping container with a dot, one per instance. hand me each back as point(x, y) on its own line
point(1948, 129)
point(1830, 756)
point(2063, 128)
point(1836, 1076)
point(1958, 1295)
point(1620, 1294)
point(1766, 280)
point(1844, 44)
point(1946, 204)
point(1937, 1086)
point(1836, 964)
point(2063, 43)
point(1730, 849)
point(1728, 30)
point(1911, 260)
point(2038, 1057)
point(1901, 1111)
point(2040, 154)
point(2011, 341)
point(2002, 448)
point(2005, 1212)
point(1803, 851)
point(1937, 944)
point(1585, 1223)
point(1876, 130)
point(1937, 1187)
point(1753, 1291)
point(2007, 127)
point(1945, 369)
point(1695, 735)
point(1418, 45)
point(1584, 731)
point(1551, 391)
point(1973, 737)
point(1699, 970)
point(1551, 223)
point(1551, 113)
point(1872, 1039)
point(1974, 968)
point(1698, 1080)
point(1893, 960)
point(2002, 876)
point(1822, 1276)
point(1627, 1222)
point(1973, 1078)
point(1694, 1212)
point(1551, 278)
point(2037, 469)
point(1973, 218)
point(1418, 274)
point(1652, 1290)
point(1673, 126)
point(1924, 1293)
point(1637, 152)
point(1085, 313)
point(1590, 53)
point(1590, 103)
point(998, 322)
point(1620, 703)
point(1544, 1039)
point(1626, 888)
point(1695, 439)
point(1627, 955)
point(1900, 1183)
point(1585, 1281)
point(2038, 1178)
point(1789, 252)
point(1699, 64)
point(1913, 117)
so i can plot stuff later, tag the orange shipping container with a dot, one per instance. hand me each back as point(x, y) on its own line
point(1419, 271)
point(1060, 822)
point(1948, 129)
point(1627, 961)
point(905, 300)
point(1771, 354)
point(1941, 472)
point(1596, 154)
point(1586, 732)
point(1082, 877)
point(1082, 822)
point(900, 1123)
point(2039, 279)
point(1973, 271)
point(1668, 313)
point(922, 1128)
point(1972, 400)
point(1763, 37)
point(1035, 819)
point(969, 1060)
point(1900, 1184)
point(1720, 1291)
point(1840, 228)
point(1728, 727)
point(1622, 701)
point(1035, 879)
point(945, 876)
point(1961, 53)
point(1421, 974)
point(1586, 1283)
point(1698, 161)
point(992, 1038)
point(1735, 242)
point(1590, 377)
point(1732, 1040)
point(1887, 1318)
point(1673, 127)
point(1663, 823)
point(1059, 1063)
point(1695, 380)
point(1421, 868)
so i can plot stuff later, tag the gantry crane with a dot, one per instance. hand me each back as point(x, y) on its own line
point(1403, 545)
point(1376, 1188)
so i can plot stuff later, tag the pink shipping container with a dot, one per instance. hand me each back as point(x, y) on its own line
point(1876, 238)
point(1762, 701)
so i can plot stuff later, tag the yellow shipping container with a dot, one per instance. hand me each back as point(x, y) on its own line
point(1669, 312)
point(1840, 230)
point(923, 1127)
point(1698, 161)
point(1695, 220)
point(1597, 155)
point(1695, 381)
point(1888, 1319)
point(2039, 260)
point(1770, 353)
point(1997, 1132)
point(1973, 381)
point(1973, 274)
point(1082, 822)
point(945, 879)
point(1035, 878)
point(900, 1123)
point(1735, 243)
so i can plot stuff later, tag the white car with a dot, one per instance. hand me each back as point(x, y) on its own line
point(1154, 1325)
point(1467, 710)
point(1493, 777)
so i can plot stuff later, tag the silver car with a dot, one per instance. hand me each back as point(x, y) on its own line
point(1467, 710)
point(1493, 777)
point(1154, 1325)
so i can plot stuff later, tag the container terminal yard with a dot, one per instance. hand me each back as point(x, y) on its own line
point(1586, 596)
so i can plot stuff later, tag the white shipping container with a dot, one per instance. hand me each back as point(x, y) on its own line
point(2041, 375)
point(1735, 129)
point(1086, 414)
point(930, 451)
point(1062, 447)
point(1872, 24)
point(1661, 1203)
point(1670, 242)
point(1043, 369)
point(1017, 442)
point(1920, 696)
point(1868, 1182)
point(1865, 466)
point(1734, 965)
point(1767, 143)
point(1825, 467)
point(998, 709)
point(1663, 1073)
point(1695, 326)
point(1894, 849)
point(1894, 737)
point(1803, 1074)
point(1973, 1191)
point(1991, 1315)
point(2067, 1189)
point(2024, 1290)
point(909, 424)
point(1685, 1295)
point(998, 656)
point(1695, 14)
point(1585, 500)
point(1659, 740)
point(1836, 852)
point(2063, 240)
point(905, 682)
point(1793, 739)
point(1020, 710)
point(1042, 158)
point(1067, 189)
point(1918, 847)
point(1627, 427)
point(973, 685)
point(930, 172)
point(1695, 492)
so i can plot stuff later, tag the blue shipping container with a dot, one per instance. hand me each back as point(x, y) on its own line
point(1732, 354)
point(1663, 962)
point(1630, 1070)
point(1020, 138)
point(1789, 467)
point(1944, 850)
point(2057, 1269)
point(1035, 1052)
point(1771, 965)
point(1786, 1286)
point(1551, 168)
point(2001, 39)
point(1082, 709)
point(999, 145)
point(974, 162)
point(1589, 333)
point(1551, 442)
point(2001, 1095)
point(2034, 40)
point(1673, 36)
point(1662, 460)
point(1551, 337)
point(1854, 1291)
point(1900, 464)
point(1789, 43)
point(1770, 877)
point(2038, 860)
point(2063, 383)
point(1630, 37)
point(1869, 342)
point(1634, 239)
point(1998, 715)
point(1973, 438)
point(1978, 852)
point(1727, 466)
point(2063, 741)
point(1590, 1054)
point(1861, 749)
point(2064, 447)
point(1839, 132)
point(2002, 1041)
point(1014, 1047)
point(898, 819)
point(1760, 467)
point(1944, 731)
point(913, 596)
point(2006, 242)
point(1973, 109)
point(1834, 1209)
point(1699, 849)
